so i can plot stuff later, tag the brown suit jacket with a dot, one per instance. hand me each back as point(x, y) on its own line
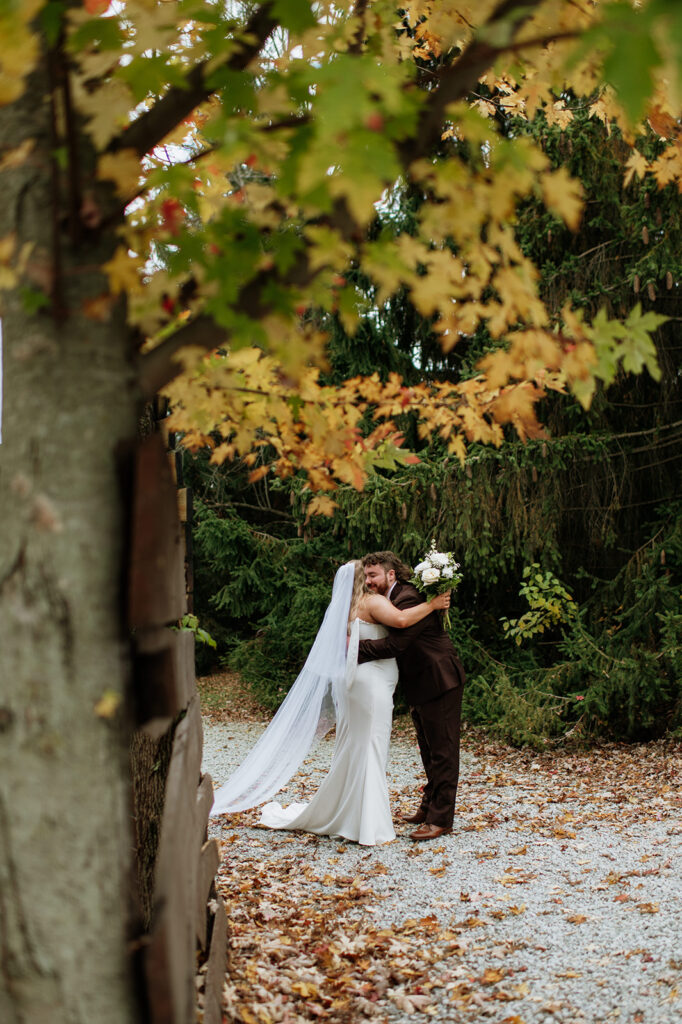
point(427, 661)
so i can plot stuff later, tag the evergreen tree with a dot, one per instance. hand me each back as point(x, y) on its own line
point(596, 503)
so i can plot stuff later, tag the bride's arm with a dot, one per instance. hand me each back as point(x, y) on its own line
point(387, 614)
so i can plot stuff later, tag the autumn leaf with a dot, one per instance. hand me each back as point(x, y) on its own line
point(492, 975)
point(108, 704)
point(564, 196)
point(321, 505)
point(123, 168)
point(98, 308)
point(636, 165)
point(8, 277)
point(17, 156)
point(124, 270)
point(13, 263)
point(172, 215)
point(257, 474)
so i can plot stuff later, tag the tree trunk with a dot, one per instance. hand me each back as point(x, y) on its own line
point(70, 404)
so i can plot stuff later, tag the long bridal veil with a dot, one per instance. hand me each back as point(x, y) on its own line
point(307, 713)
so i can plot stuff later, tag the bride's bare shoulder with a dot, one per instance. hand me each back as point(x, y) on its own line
point(363, 610)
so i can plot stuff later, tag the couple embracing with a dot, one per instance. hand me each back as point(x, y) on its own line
point(377, 628)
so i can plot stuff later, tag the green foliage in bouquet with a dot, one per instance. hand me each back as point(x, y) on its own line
point(437, 573)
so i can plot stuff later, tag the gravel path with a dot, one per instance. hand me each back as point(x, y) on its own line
point(557, 897)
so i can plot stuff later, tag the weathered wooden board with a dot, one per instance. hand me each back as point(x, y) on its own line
point(189, 566)
point(161, 406)
point(204, 805)
point(158, 964)
point(165, 432)
point(182, 504)
point(217, 966)
point(170, 960)
point(156, 589)
point(164, 676)
point(209, 860)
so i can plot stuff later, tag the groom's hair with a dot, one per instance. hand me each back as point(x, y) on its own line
point(389, 561)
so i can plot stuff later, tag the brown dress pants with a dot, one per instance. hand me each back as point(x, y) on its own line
point(437, 724)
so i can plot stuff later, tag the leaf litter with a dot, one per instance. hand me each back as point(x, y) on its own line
point(322, 929)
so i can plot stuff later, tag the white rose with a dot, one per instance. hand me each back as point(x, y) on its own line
point(448, 572)
point(430, 575)
point(422, 566)
point(439, 559)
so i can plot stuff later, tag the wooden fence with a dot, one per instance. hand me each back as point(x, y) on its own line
point(183, 925)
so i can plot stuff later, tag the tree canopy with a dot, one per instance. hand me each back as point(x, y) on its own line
point(245, 154)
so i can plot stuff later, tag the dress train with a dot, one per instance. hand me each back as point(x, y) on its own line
point(352, 801)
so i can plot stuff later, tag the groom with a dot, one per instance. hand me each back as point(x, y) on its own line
point(432, 679)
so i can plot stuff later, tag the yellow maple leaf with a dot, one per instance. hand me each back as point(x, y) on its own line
point(123, 270)
point(457, 447)
point(516, 405)
point(20, 47)
point(668, 166)
point(558, 114)
point(107, 109)
point(123, 168)
point(211, 196)
point(321, 505)
point(563, 195)
point(599, 110)
point(636, 165)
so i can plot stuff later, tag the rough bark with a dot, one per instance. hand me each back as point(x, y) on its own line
point(150, 759)
point(65, 836)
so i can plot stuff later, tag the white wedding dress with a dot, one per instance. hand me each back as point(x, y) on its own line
point(352, 800)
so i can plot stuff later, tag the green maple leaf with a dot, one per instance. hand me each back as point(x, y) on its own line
point(628, 344)
point(638, 347)
point(296, 15)
point(626, 39)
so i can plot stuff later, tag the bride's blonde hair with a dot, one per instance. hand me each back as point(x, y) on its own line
point(359, 589)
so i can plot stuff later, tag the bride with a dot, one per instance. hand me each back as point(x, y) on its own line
point(352, 800)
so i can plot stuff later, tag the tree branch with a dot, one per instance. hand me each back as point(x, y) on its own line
point(359, 12)
point(179, 102)
point(159, 366)
point(459, 78)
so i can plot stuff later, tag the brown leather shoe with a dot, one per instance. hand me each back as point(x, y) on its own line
point(414, 819)
point(429, 832)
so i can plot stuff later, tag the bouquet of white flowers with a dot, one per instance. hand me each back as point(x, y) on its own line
point(437, 573)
